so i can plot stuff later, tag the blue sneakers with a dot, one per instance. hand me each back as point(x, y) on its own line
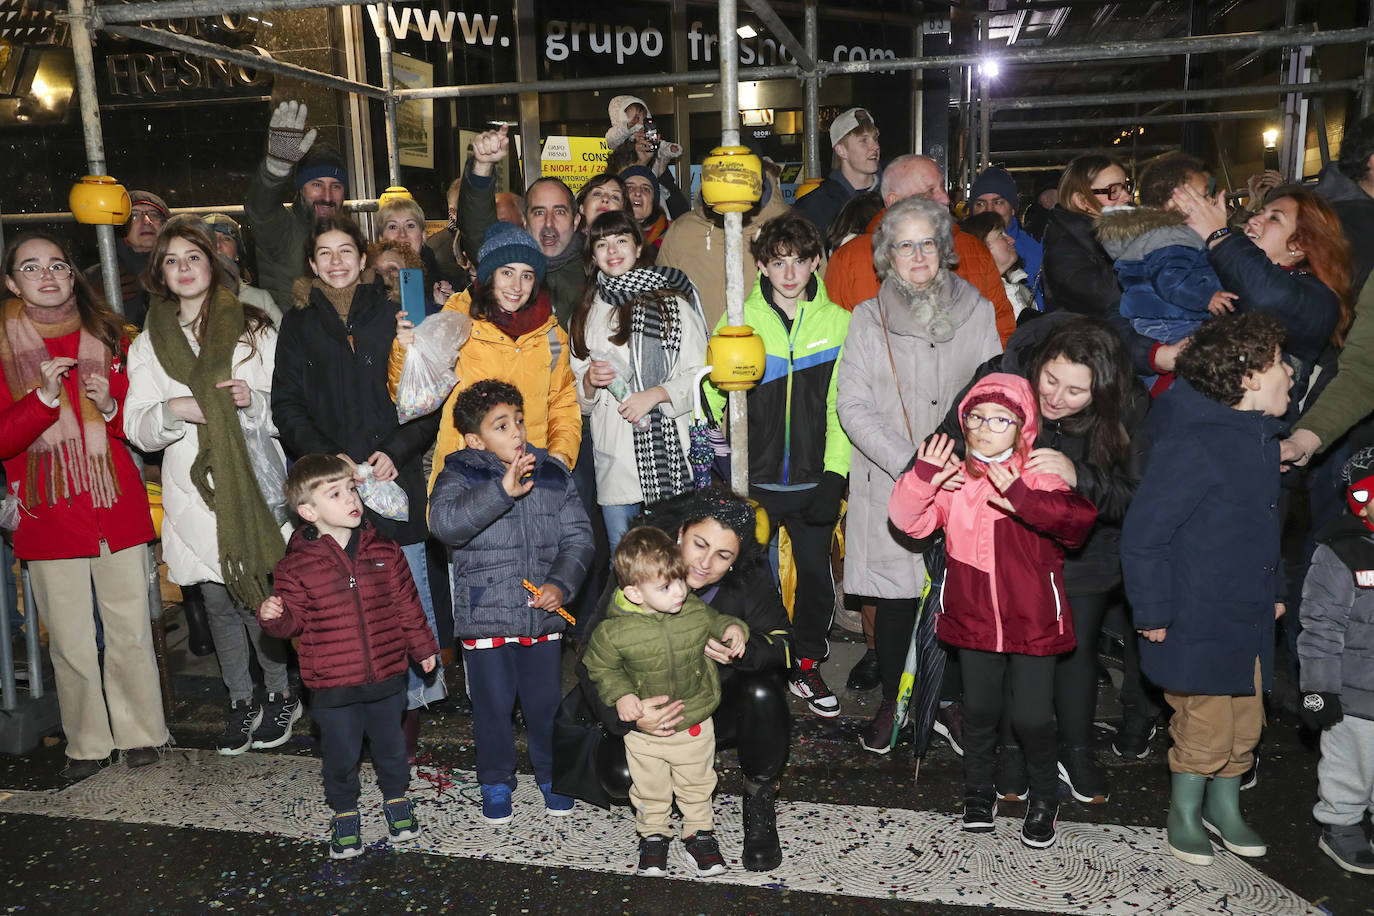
point(400, 819)
point(496, 804)
point(555, 805)
point(345, 835)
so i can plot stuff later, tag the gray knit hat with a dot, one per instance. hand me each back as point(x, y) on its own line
point(505, 243)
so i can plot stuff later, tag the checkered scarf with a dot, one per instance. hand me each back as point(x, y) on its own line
point(663, 468)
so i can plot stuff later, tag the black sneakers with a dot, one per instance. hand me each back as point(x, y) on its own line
point(980, 807)
point(808, 684)
point(401, 822)
point(1086, 780)
point(949, 724)
point(345, 835)
point(865, 675)
point(244, 716)
point(279, 713)
point(1132, 739)
point(1347, 848)
point(653, 856)
point(705, 852)
point(1042, 816)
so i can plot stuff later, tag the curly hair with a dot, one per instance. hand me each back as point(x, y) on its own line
point(899, 213)
point(409, 259)
point(1356, 148)
point(687, 510)
point(473, 404)
point(1226, 349)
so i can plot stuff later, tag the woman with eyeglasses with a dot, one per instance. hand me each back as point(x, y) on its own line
point(1077, 274)
point(84, 518)
point(908, 352)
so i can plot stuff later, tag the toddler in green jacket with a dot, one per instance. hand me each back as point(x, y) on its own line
point(652, 643)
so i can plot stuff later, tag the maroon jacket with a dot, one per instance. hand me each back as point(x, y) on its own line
point(357, 619)
point(1004, 574)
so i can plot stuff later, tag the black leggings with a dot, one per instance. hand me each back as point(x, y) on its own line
point(752, 715)
point(1031, 708)
point(892, 627)
point(1075, 677)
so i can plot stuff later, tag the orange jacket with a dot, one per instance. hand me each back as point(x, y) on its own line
point(850, 278)
point(552, 418)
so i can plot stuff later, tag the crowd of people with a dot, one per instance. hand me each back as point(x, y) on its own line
point(1022, 422)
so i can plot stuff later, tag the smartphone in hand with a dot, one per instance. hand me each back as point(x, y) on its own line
point(413, 294)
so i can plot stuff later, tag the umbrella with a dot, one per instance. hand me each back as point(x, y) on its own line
point(918, 691)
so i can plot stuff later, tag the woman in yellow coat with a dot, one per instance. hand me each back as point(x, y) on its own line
point(515, 338)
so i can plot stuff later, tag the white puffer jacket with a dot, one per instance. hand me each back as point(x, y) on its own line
point(613, 444)
point(190, 544)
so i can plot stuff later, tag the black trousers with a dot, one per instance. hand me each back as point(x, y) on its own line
point(1075, 677)
point(1031, 707)
point(341, 745)
point(892, 625)
point(814, 606)
point(752, 716)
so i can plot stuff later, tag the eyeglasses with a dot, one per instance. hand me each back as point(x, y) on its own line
point(994, 424)
point(151, 216)
point(1114, 190)
point(907, 248)
point(56, 269)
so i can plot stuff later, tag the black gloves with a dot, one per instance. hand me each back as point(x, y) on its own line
point(824, 507)
point(1320, 710)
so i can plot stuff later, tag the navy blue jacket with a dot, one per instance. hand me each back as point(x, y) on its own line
point(1200, 546)
point(544, 536)
point(1304, 305)
point(823, 204)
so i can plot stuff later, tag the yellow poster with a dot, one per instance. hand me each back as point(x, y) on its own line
point(573, 159)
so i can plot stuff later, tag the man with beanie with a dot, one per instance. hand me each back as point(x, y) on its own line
point(320, 181)
point(146, 217)
point(994, 189)
point(854, 137)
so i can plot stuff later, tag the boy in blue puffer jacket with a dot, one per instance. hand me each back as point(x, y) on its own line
point(513, 515)
point(1336, 649)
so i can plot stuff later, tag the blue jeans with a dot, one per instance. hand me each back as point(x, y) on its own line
point(618, 520)
point(496, 677)
point(423, 689)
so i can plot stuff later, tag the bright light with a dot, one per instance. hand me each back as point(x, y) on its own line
point(746, 31)
point(1271, 138)
point(990, 68)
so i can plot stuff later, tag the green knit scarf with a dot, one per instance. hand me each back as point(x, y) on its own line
point(250, 542)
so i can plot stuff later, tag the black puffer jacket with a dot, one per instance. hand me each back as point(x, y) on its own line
point(1095, 567)
point(1078, 273)
point(329, 393)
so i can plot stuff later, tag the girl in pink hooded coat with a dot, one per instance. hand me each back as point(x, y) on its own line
point(1003, 605)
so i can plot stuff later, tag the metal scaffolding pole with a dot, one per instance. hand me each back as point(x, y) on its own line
point(66, 216)
point(984, 112)
point(1173, 95)
point(811, 86)
point(181, 9)
point(642, 81)
point(393, 146)
point(1060, 156)
point(78, 18)
point(734, 242)
point(1126, 121)
point(805, 56)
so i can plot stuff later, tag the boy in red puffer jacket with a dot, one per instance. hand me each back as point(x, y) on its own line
point(347, 592)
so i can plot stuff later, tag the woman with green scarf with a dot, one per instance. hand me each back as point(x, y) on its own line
point(200, 379)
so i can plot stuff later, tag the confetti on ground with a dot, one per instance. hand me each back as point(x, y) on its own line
point(885, 853)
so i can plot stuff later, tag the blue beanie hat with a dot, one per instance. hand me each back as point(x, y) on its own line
point(997, 181)
point(506, 243)
point(321, 161)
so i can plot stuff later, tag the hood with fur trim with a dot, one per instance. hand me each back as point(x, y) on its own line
point(1130, 233)
point(300, 289)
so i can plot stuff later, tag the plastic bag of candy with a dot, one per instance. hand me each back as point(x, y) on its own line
point(427, 375)
point(385, 497)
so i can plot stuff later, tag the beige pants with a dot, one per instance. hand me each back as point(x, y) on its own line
point(1215, 735)
point(126, 710)
point(682, 765)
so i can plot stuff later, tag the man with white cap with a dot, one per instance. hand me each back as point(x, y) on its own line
point(854, 137)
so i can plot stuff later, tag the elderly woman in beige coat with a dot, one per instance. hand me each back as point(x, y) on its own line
point(909, 352)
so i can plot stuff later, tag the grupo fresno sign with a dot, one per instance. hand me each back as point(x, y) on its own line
point(623, 34)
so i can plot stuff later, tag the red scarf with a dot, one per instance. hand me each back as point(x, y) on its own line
point(529, 318)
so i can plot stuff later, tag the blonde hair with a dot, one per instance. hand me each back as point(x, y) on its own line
point(310, 472)
point(646, 555)
point(402, 205)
